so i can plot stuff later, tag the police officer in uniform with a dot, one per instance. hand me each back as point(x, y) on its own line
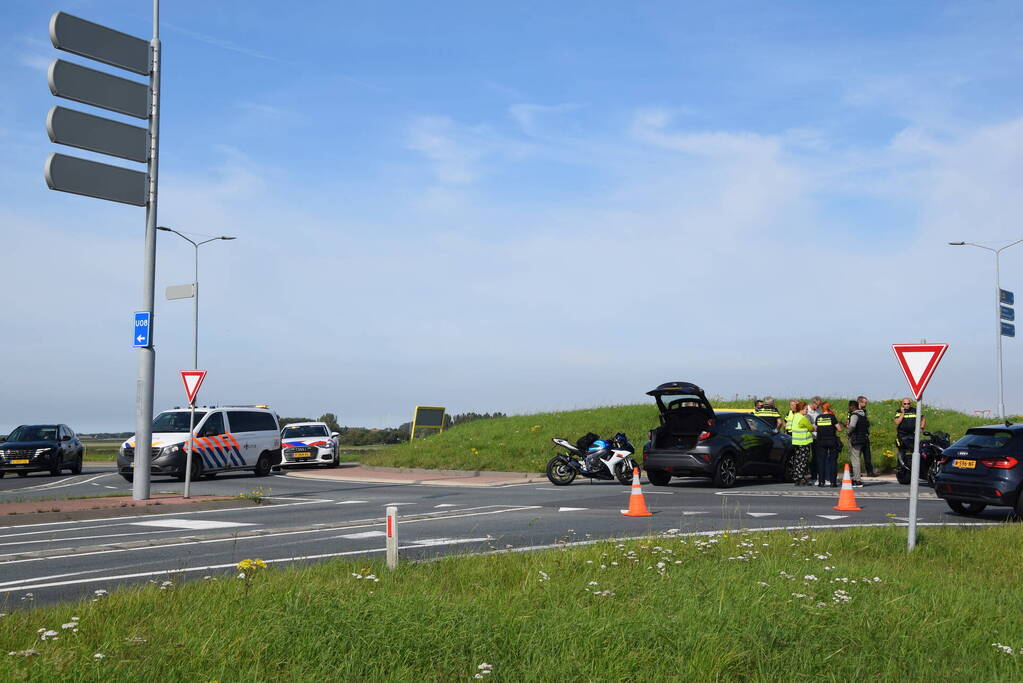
point(767, 411)
point(905, 432)
point(827, 429)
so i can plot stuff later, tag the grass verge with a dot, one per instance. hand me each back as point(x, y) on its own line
point(834, 605)
point(522, 443)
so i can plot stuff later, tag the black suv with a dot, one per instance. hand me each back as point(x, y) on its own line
point(983, 468)
point(41, 448)
point(695, 441)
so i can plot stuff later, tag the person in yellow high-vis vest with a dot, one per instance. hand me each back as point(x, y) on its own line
point(802, 439)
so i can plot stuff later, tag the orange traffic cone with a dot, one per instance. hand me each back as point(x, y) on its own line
point(637, 505)
point(846, 497)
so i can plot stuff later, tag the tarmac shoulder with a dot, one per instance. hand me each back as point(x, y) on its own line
point(411, 475)
point(71, 509)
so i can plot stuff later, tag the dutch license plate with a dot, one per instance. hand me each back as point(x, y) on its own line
point(19, 462)
point(303, 455)
point(965, 464)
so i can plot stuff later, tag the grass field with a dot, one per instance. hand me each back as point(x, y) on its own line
point(101, 450)
point(522, 443)
point(831, 605)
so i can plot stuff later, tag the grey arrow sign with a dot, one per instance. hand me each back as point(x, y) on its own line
point(97, 134)
point(99, 89)
point(93, 179)
point(81, 37)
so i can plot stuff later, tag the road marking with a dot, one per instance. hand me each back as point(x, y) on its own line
point(350, 502)
point(124, 520)
point(392, 504)
point(906, 519)
point(455, 514)
point(191, 524)
point(363, 534)
point(106, 486)
point(824, 494)
point(833, 516)
point(652, 493)
point(761, 514)
point(570, 509)
point(427, 542)
point(695, 512)
point(445, 505)
point(59, 484)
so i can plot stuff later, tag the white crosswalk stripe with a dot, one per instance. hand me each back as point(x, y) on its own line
point(761, 514)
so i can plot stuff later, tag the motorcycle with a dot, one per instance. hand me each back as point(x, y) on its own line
point(931, 449)
point(613, 460)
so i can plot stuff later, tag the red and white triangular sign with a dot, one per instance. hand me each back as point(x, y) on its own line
point(918, 361)
point(192, 380)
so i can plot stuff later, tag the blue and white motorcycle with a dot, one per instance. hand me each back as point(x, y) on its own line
point(611, 460)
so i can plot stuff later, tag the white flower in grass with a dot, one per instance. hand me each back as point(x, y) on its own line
point(24, 653)
point(762, 583)
point(877, 579)
point(69, 625)
point(809, 577)
point(49, 635)
point(241, 575)
point(544, 576)
point(1004, 649)
point(98, 655)
point(100, 593)
point(592, 583)
point(485, 667)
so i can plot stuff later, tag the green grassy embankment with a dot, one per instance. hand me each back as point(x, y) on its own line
point(101, 450)
point(522, 443)
point(767, 606)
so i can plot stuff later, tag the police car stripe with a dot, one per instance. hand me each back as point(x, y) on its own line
point(237, 448)
point(214, 454)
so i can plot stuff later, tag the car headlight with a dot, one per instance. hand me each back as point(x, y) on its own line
point(171, 450)
point(43, 451)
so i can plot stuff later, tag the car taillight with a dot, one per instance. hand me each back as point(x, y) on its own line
point(706, 435)
point(943, 460)
point(1006, 463)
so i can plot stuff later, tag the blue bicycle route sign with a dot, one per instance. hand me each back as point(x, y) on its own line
point(142, 327)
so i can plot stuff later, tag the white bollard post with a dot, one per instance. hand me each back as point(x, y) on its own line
point(392, 537)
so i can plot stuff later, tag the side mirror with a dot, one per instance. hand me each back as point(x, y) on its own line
point(334, 434)
point(65, 438)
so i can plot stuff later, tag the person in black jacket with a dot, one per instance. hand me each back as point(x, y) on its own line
point(826, 442)
point(867, 464)
point(857, 426)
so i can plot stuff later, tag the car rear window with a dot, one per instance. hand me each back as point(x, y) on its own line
point(995, 439)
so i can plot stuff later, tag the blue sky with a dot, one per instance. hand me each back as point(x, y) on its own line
point(527, 207)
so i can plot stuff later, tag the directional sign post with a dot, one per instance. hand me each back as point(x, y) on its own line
point(918, 362)
point(192, 379)
point(142, 329)
point(130, 97)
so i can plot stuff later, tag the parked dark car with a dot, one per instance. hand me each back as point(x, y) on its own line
point(983, 468)
point(693, 440)
point(41, 448)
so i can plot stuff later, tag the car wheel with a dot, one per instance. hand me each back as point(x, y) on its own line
point(964, 508)
point(55, 469)
point(128, 477)
point(725, 473)
point(196, 470)
point(1018, 509)
point(559, 473)
point(263, 465)
point(76, 466)
point(902, 475)
point(658, 477)
point(335, 462)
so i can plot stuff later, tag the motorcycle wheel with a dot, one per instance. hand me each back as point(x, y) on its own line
point(932, 472)
point(559, 473)
point(902, 475)
point(623, 472)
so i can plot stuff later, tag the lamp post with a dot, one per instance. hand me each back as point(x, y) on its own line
point(998, 314)
point(195, 295)
point(195, 347)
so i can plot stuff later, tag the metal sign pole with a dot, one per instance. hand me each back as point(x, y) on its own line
point(998, 339)
point(188, 451)
point(914, 474)
point(147, 354)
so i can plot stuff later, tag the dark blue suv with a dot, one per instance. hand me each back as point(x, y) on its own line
point(983, 468)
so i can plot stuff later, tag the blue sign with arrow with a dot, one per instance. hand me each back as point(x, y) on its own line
point(142, 328)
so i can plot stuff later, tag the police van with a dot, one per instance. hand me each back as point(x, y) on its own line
point(226, 438)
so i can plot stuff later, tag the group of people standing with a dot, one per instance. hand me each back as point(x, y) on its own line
point(814, 428)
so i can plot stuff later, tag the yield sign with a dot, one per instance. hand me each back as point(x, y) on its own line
point(192, 380)
point(918, 361)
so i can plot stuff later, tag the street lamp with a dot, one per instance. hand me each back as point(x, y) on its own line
point(998, 314)
point(195, 294)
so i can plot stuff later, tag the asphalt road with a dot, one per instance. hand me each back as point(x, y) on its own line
point(308, 520)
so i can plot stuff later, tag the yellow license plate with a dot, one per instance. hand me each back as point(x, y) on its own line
point(303, 455)
point(19, 462)
point(965, 464)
